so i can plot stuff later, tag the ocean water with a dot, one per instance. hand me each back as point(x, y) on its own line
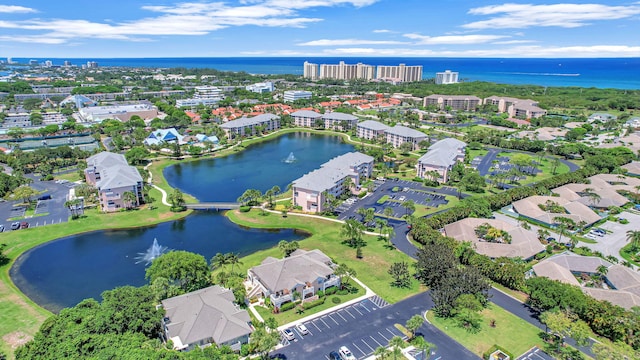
point(619, 73)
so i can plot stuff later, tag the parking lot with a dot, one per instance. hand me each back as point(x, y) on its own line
point(364, 326)
point(616, 236)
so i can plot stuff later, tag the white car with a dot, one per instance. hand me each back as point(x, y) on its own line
point(288, 334)
point(303, 329)
point(346, 353)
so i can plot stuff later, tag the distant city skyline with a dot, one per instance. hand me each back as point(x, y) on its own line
point(331, 28)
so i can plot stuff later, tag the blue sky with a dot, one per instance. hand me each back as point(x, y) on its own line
point(422, 28)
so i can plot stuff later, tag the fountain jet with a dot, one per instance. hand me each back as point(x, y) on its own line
point(153, 252)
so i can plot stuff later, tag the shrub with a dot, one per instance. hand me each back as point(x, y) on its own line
point(330, 291)
point(312, 304)
point(342, 292)
point(287, 306)
point(362, 194)
point(494, 348)
point(253, 300)
point(320, 294)
point(624, 221)
point(336, 300)
point(245, 208)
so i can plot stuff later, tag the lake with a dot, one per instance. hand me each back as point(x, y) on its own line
point(63, 272)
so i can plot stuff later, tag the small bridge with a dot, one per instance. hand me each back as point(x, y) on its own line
point(213, 206)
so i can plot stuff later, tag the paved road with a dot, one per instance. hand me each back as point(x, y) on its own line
point(616, 236)
point(364, 326)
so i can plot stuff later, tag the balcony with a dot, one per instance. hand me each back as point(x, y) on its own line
point(283, 298)
point(111, 196)
point(332, 281)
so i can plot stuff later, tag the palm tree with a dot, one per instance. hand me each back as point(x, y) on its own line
point(602, 271)
point(397, 344)
point(381, 223)
point(233, 259)
point(594, 197)
point(424, 346)
point(348, 183)
point(388, 212)
point(129, 198)
point(563, 224)
point(633, 236)
point(409, 206)
point(381, 353)
point(219, 260)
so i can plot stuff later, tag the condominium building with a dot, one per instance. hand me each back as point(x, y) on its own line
point(454, 102)
point(370, 129)
point(260, 88)
point(306, 118)
point(119, 112)
point(446, 77)
point(293, 95)
point(344, 71)
point(204, 95)
point(401, 73)
point(339, 121)
point(440, 159)
point(520, 108)
point(248, 126)
point(311, 190)
point(399, 134)
point(310, 71)
point(113, 177)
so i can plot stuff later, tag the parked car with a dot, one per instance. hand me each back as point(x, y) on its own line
point(334, 356)
point(346, 354)
point(1, 228)
point(45, 197)
point(288, 334)
point(551, 239)
point(24, 225)
point(599, 231)
point(303, 329)
point(15, 226)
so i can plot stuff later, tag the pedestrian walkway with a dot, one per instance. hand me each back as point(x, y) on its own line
point(378, 301)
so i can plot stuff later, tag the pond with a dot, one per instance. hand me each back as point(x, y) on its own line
point(61, 273)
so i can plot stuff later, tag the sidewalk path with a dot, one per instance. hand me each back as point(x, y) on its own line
point(150, 181)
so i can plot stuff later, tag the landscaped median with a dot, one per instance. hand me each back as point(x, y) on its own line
point(499, 327)
point(325, 236)
point(20, 318)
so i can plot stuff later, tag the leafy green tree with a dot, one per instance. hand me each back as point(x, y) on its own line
point(186, 270)
point(24, 192)
point(424, 346)
point(409, 206)
point(345, 273)
point(381, 353)
point(129, 199)
point(400, 273)
point(354, 231)
point(4, 259)
point(136, 155)
point(288, 247)
point(176, 198)
point(633, 236)
point(262, 341)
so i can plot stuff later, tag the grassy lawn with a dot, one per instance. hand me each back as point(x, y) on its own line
point(547, 172)
point(424, 210)
point(475, 153)
point(72, 176)
point(371, 269)
point(20, 318)
point(510, 332)
point(628, 254)
point(291, 315)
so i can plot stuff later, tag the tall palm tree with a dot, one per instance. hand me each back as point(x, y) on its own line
point(409, 206)
point(219, 260)
point(424, 346)
point(233, 259)
point(594, 197)
point(381, 353)
point(563, 224)
point(397, 344)
point(129, 198)
point(633, 236)
point(388, 212)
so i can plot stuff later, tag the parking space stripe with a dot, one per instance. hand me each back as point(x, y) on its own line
point(356, 309)
point(345, 320)
point(372, 338)
point(391, 332)
point(312, 323)
point(347, 311)
point(383, 336)
point(325, 324)
point(337, 323)
point(364, 342)
point(363, 353)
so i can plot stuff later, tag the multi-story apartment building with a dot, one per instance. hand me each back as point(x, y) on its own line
point(370, 129)
point(310, 71)
point(260, 88)
point(446, 77)
point(399, 134)
point(343, 71)
point(520, 108)
point(306, 118)
point(113, 177)
point(248, 126)
point(440, 158)
point(293, 95)
point(311, 190)
point(402, 72)
point(454, 102)
point(339, 121)
point(203, 95)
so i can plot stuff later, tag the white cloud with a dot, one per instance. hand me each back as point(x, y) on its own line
point(347, 42)
point(187, 18)
point(596, 51)
point(453, 39)
point(32, 39)
point(381, 31)
point(9, 9)
point(511, 42)
point(520, 16)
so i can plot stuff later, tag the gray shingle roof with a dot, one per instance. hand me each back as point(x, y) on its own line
point(306, 113)
point(331, 172)
point(448, 144)
point(106, 159)
point(245, 121)
point(406, 132)
point(299, 268)
point(338, 116)
point(373, 125)
point(118, 176)
point(206, 313)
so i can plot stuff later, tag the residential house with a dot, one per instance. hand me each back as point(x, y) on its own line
point(206, 316)
point(602, 117)
point(113, 177)
point(520, 108)
point(399, 134)
point(524, 244)
point(249, 126)
point(164, 136)
point(622, 283)
point(633, 168)
point(440, 158)
point(370, 130)
point(306, 118)
point(602, 191)
point(300, 275)
point(311, 190)
point(546, 210)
